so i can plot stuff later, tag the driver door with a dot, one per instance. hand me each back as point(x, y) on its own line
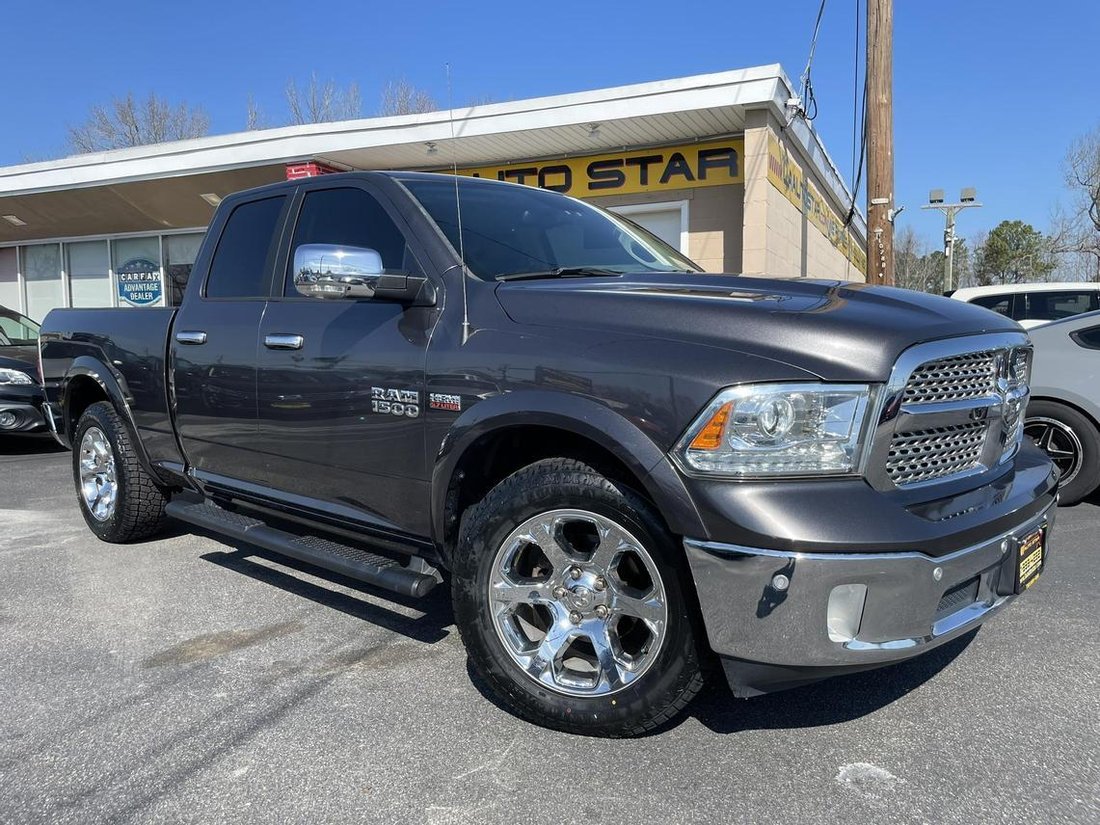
point(324, 364)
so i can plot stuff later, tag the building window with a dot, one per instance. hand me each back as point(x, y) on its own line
point(42, 272)
point(179, 257)
point(89, 274)
point(10, 296)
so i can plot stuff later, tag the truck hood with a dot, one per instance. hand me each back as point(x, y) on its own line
point(836, 330)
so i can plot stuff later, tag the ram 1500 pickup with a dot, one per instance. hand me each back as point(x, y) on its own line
point(623, 467)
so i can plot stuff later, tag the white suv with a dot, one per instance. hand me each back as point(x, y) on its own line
point(1034, 304)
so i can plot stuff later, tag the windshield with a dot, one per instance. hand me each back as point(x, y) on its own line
point(17, 330)
point(513, 230)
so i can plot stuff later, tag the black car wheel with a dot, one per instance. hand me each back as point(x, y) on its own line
point(572, 601)
point(118, 498)
point(1072, 443)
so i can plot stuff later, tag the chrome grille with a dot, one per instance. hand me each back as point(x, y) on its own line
point(958, 378)
point(923, 455)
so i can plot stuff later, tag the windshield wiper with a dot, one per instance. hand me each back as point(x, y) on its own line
point(561, 272)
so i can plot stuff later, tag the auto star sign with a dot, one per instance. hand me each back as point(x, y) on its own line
point(715, 163)
point(140, 282)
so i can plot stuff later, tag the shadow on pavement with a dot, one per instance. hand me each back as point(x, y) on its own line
point(839, 699)
point(430, 627)
point(35, 444)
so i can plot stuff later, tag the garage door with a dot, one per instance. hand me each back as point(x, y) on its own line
point(665, 224)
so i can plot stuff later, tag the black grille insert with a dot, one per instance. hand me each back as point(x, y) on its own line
point(958, 597)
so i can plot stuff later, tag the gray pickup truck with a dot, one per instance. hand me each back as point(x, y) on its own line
point(624, 468)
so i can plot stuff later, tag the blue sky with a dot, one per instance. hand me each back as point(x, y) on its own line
point(987, 94)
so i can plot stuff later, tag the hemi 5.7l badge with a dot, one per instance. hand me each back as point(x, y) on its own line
point(395, 402)
point(444, 401)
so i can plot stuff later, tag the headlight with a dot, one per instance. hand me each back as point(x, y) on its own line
point(767, 430)
point(14, 377)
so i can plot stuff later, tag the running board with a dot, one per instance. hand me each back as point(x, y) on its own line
point(339, 558)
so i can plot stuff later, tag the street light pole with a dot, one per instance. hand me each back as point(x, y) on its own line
point(967, 198)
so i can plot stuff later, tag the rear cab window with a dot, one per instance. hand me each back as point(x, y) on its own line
point(245, 254)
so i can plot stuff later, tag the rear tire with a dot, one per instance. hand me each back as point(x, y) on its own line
point(1071, 440)
point(119, 499)
point(574, 604)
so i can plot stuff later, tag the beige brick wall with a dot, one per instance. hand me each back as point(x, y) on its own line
point(715, 218)
point(757, 195)
point(779, 240)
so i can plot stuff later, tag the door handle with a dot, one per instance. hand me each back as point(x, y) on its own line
point(282, 340)
point(191, 336)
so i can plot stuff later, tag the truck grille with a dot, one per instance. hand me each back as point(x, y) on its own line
point(922, 455)
point(953, 407)
point(958, 378)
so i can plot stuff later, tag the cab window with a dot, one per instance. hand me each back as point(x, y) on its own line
point(17, 331)
point(998, 303)
point(1052, 306)
point(245, 252)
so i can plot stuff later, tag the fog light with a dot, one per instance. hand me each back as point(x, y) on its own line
point(780, 582)
point(845, 611)
point(8, 420)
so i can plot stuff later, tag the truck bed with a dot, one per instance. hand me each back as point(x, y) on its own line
point(131, 345)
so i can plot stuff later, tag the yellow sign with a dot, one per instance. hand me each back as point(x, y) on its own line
point(788, 177)
point(715, 163)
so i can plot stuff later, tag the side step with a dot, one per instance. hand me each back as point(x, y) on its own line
point(339, 558)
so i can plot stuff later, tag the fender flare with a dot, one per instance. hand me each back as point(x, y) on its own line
point(577, 415)
point(114, 387)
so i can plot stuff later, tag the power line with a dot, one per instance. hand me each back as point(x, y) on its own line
point(859, 123)
point(809, 102)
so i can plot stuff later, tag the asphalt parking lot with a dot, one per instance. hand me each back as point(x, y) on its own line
point(187, 680)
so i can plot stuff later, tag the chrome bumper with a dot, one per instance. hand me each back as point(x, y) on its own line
point(773, 608)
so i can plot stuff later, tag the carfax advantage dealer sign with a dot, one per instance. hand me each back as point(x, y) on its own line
point(715, 163)
point(140, 282)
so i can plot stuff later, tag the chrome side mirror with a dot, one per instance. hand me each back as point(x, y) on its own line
point(351, 272)
point(330, 271)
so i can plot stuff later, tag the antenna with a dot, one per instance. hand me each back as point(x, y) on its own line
point(458, 210)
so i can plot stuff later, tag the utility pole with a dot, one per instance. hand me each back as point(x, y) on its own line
point(967, 199)
point(880, 141)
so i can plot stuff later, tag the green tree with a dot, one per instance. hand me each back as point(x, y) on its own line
point(1014, 253)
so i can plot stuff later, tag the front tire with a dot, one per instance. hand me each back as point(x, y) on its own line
point(1071, 441)
point(119, 499)
point(572, 601)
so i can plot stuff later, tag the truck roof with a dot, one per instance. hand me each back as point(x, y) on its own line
point(393, 174)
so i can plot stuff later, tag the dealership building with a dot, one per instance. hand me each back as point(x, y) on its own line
point(711, 163)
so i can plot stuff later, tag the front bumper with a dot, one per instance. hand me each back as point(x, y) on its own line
point(771, 638)
point(23, 406)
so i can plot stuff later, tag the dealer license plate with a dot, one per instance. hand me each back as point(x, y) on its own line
point(1029, 560)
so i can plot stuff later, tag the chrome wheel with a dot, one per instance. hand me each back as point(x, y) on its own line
point(98, 481)
point(1061, 444)
point(578, 603)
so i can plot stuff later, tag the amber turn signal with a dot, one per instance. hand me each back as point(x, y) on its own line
point(710, 437)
